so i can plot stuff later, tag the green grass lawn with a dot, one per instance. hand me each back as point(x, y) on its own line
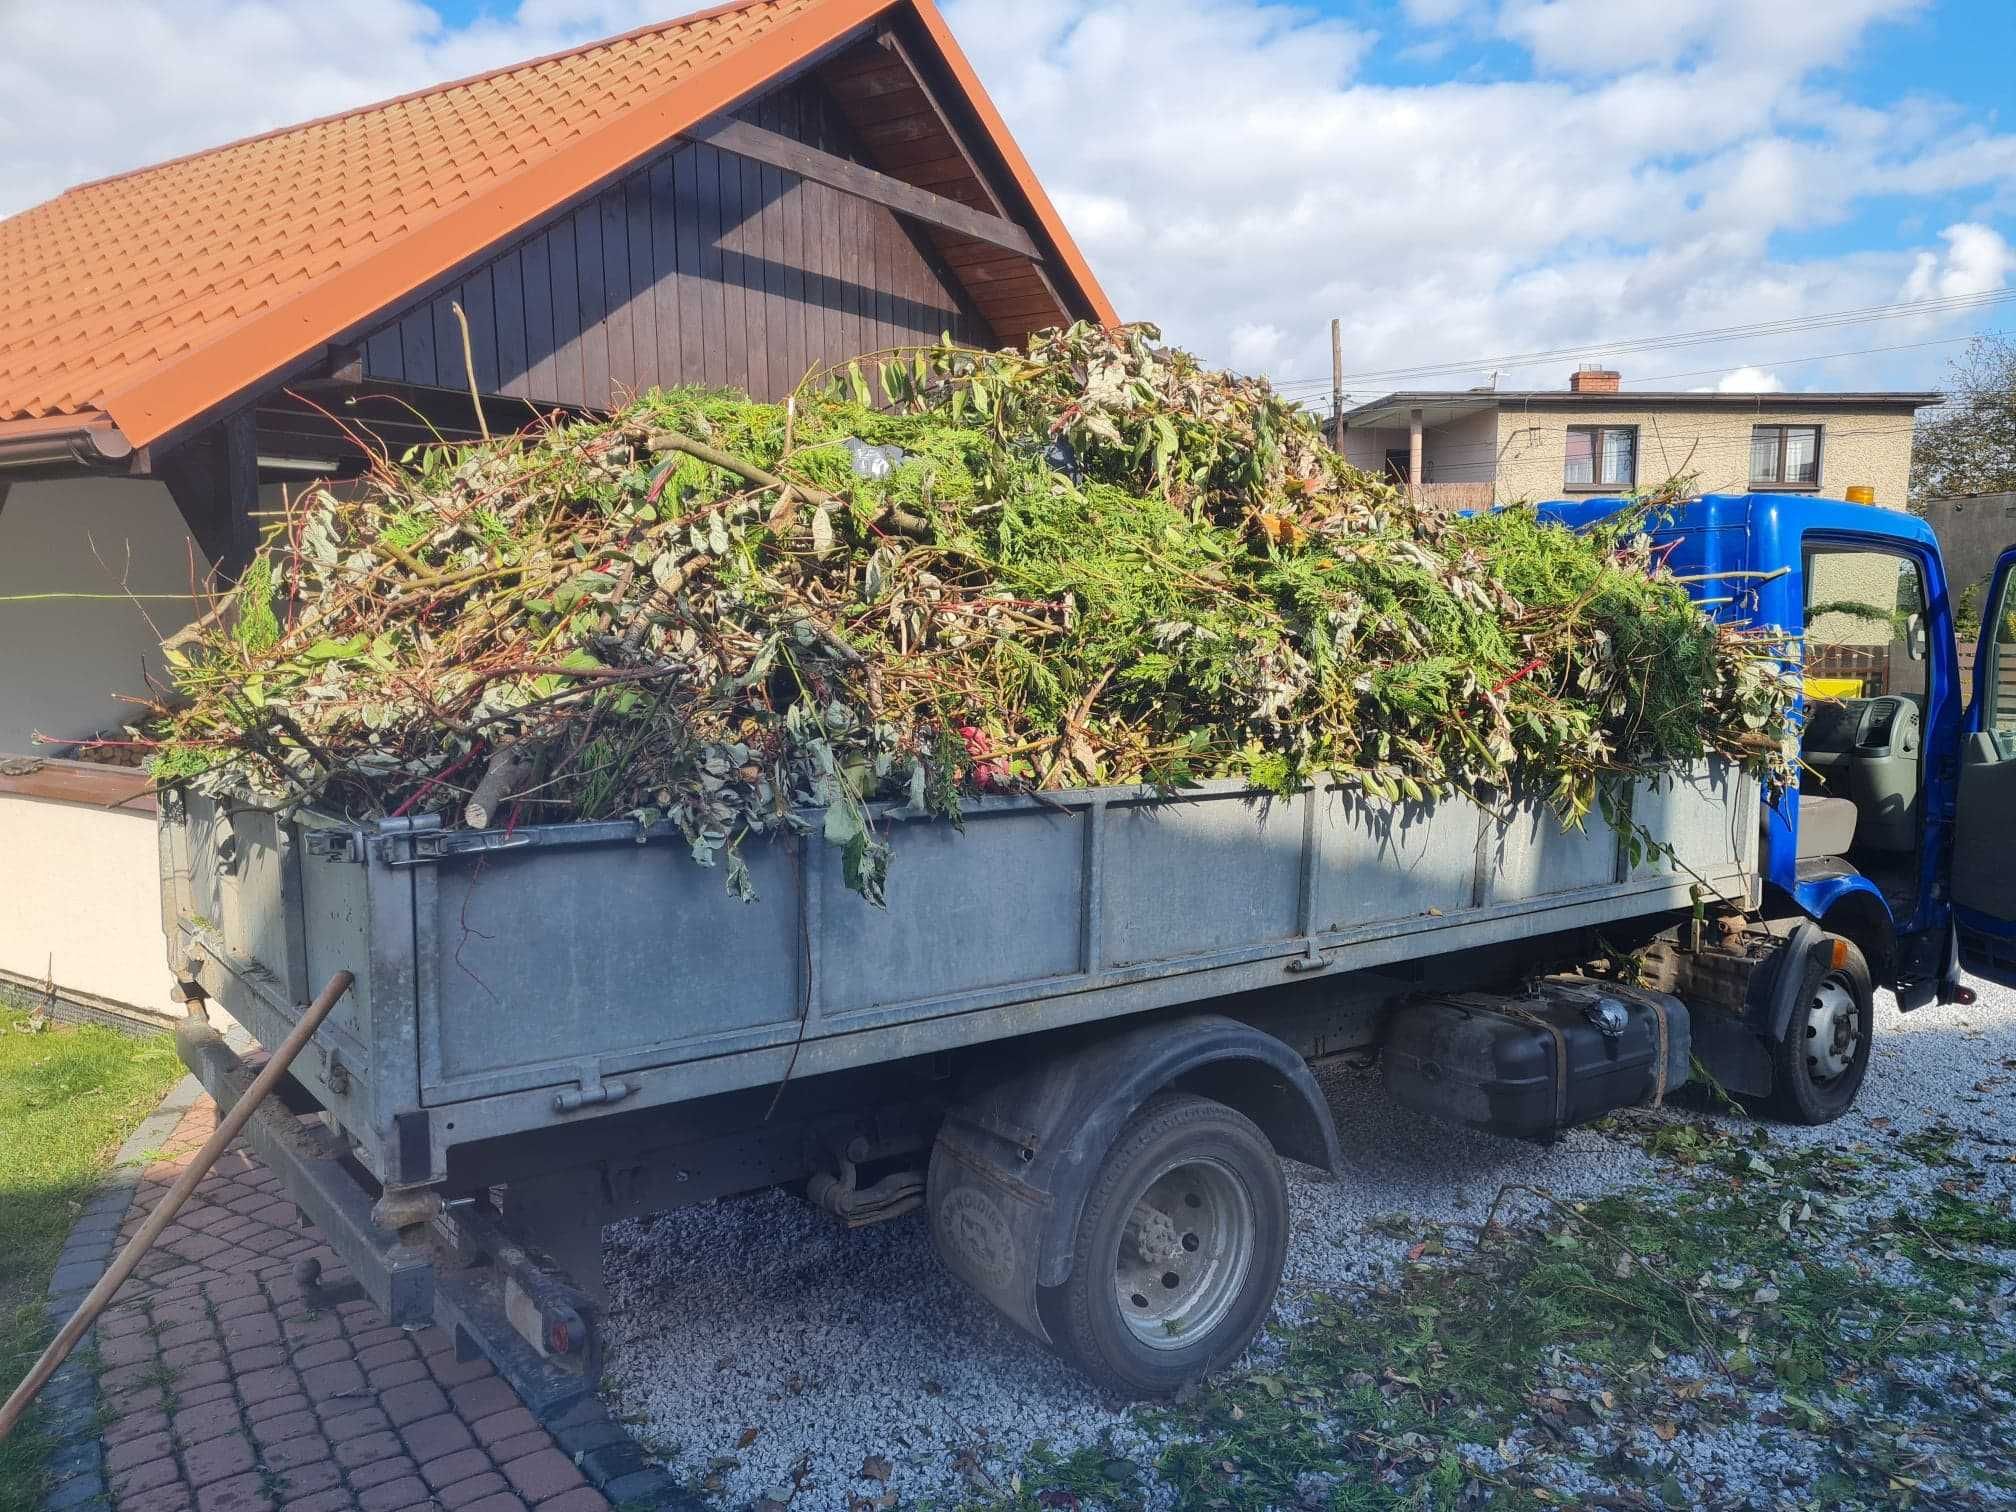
point(68, 1097)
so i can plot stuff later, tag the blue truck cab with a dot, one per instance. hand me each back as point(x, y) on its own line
point(1900, 833)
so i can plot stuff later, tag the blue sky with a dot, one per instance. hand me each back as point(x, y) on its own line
point(1455, 179)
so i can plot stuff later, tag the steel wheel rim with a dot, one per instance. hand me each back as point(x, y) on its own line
point(1184, 1253)
point(1833, 1030)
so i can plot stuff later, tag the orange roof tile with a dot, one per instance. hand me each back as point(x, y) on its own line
point(157, 295)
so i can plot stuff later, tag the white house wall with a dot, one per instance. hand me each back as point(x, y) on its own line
point(82, 902)
point(1463, 450)
point(63, 660)
point(1366, 449)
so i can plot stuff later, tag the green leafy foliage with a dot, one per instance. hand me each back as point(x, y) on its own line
point(1093, 562)
point(256, 628)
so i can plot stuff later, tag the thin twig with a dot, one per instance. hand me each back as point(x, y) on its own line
point(469, 366)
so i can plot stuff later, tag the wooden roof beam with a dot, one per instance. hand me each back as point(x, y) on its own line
point(892, 43)
point(759, 144)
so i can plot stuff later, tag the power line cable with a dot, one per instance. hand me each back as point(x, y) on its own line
point(1818, 320)
point(1303, 397)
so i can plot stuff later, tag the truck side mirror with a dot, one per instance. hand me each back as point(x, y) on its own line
point(1914, 637)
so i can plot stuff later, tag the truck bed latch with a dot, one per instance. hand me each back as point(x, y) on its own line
point(425, 847)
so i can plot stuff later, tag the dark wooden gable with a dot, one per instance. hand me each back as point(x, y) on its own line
point(697, 267)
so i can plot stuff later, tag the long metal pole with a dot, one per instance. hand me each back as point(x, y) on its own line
point(164, 1214)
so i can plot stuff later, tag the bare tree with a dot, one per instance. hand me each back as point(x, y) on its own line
point(1969, 446)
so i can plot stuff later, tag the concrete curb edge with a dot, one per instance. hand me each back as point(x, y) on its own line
point(69, 1403)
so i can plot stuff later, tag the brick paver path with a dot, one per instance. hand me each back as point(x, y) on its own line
point(224, 1391)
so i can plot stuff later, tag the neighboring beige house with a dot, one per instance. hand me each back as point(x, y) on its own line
point(1472, 447)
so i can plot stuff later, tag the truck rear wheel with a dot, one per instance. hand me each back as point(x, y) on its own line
point(1819, 1066)
point(1178, 1252)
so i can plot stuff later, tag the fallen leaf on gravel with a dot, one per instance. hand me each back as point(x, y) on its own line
point(875, 1467)
point(748, 1437)
point(1667, 1431)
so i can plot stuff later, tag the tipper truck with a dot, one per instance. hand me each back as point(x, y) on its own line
point(1079, 1036)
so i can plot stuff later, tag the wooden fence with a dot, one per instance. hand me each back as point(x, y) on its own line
point(1457, 495)
point(1866, 668)
point(2005, 684)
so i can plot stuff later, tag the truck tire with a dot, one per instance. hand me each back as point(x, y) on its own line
point(1818, 1067)
point(1178, 1252)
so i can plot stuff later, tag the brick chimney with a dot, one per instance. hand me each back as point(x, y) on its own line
point(1591, 379)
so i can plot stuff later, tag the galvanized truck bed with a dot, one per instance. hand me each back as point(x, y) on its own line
point(510, 982)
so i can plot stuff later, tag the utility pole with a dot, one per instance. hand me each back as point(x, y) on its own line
point(1337, 385)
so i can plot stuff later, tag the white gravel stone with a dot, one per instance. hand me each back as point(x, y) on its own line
point(761, 1314)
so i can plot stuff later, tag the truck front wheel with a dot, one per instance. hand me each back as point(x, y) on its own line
point(1178, 1252)
point(1819, 1066)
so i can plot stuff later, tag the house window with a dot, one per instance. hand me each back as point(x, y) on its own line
point(1785, 456)
point(1602, 456)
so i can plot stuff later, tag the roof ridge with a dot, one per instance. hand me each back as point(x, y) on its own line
point(138, 320)
point(706, 13)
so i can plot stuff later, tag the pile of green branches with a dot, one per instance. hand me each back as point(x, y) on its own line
point(948, 573)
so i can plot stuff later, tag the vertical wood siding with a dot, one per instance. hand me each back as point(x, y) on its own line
point(696, 267)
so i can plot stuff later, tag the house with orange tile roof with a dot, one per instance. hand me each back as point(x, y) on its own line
point(742, 196)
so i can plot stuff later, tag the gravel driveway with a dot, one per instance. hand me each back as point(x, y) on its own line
point(763, 1350)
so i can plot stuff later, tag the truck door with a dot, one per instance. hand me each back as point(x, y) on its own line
point(1984, 856)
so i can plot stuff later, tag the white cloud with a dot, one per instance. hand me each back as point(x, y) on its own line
point(1746, 380)
point(1978, 260)
point(1233, 175)
point(190, 74)
point(1255, 348)
point(1247, 177)
point(1756, 37)
point(1438, 12)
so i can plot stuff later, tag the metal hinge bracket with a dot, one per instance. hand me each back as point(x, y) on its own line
point(333, 844)
point(593, 1092)
point(1311, 959)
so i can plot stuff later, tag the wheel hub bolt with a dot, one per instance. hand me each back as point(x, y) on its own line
point(1152, 1236)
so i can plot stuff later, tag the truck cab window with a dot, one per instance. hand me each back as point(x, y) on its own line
point(1866, 675)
